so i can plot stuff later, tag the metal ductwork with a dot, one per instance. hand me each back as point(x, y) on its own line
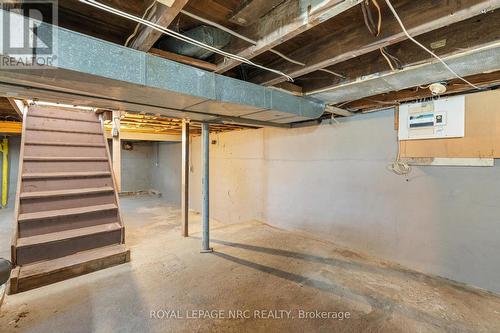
point(479, 60)
point(205, 34)
point(93, 72)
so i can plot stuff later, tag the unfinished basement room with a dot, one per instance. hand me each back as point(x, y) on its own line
point(250, 166)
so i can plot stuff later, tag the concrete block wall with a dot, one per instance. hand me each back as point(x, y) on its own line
point(333, 181)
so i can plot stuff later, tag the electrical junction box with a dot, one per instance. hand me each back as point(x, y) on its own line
point(441, 118)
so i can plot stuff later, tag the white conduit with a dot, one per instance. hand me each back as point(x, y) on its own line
point(179, 36)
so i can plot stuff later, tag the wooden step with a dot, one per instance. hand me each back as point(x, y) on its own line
point(63, 159)
point(47, 272)
point(46, 116)
point(62, 243)
point(66, 193)
point(67, 136)
point(50, 214)
point(63, 131)
point(56, 184)
point(51, 175)
point(66, 235)
point(63, 144)
point(58, 112)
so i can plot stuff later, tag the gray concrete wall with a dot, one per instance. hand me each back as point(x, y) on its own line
point(333, 181)
point(166, 171)
point(137, 167)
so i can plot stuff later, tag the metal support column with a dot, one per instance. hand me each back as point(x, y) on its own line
point(205, 146)
point(185, 178)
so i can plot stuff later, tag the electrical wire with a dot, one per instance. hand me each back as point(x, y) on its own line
point(425, 48)
point(179, 36)
point(332, 72)
point(399, 167)
point(286, 58)
point(387, 59)
point(137, 25)
point(379, 25)
point(391, 60)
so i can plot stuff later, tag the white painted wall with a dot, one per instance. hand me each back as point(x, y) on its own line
point(333, 181)
point(236, 176)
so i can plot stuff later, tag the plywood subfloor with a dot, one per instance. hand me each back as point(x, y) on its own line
point(254, 267)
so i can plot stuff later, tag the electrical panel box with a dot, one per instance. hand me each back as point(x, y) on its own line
point(441, 118)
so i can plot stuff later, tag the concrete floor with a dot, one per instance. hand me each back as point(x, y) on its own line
point(254, 267)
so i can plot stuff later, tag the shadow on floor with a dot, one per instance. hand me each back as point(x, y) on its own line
point(376, 300)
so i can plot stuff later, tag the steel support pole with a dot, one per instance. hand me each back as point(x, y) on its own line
point(205, 188)
point(185, 178)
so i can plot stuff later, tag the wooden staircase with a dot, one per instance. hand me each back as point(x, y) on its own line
point(67, 208)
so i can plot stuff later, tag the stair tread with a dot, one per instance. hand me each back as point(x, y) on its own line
point(62, 158)
point(63, 131)
point(64, 144)
point(65, 174)
point(38, 115)
point(66, 234)
point(61, 193)
point(54, 265)
point(64, 212)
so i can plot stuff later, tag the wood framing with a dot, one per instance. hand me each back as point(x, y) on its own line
point(11, 127)
point(184, 60)
point(146, 37)
point(281, 24)
point(355, 40)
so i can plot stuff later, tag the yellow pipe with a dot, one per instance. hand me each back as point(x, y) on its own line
point(5, 170)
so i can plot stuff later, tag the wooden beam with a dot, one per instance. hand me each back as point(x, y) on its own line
point(11, 127)
point(184, 59)
point(117, 150)
point(146, 37)
point(143, 136)
point(355, 40)
point(17, 105)
point(250, 10)
point(284, 22)
point(185, 179)
point(338, 111)
point(290, 88)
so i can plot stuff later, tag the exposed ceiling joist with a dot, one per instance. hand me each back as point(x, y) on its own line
point(419, 17)
point(444, 42)
point(146, 37)
point(284, 22)
point(467, 62)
